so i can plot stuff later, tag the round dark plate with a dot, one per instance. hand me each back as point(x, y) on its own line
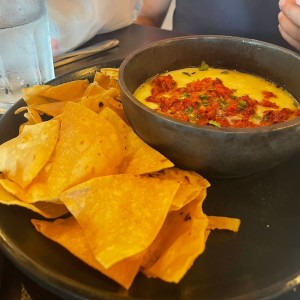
point(261, 261)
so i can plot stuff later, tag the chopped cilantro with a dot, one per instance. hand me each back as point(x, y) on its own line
point(184, 95)
point(296, 104)
point(186, 73)
point(255, 119)
point(241, 104)
point(203, 97)
point(188, 110)
point(204, 66)
point(204, 102)
point(214, 123)
point(223, 103)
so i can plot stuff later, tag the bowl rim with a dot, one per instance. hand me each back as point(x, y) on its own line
point(173, 121)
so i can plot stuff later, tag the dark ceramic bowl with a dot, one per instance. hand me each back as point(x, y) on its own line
point(214, 152)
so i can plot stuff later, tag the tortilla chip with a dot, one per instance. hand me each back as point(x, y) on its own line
point(97, 97)
point(23, 157)
point(139, 157)
point(31, 95)
point(69, 234)
point(51, 109)
point(14, 189)
point(102, 80)
point(192, 185)
point(120, 214)
point(225, 223)
point(47, 210)
point(63, 92)
point(180, 241)
point(115, 106)
point(78, 155)
point(5, 196)
point(111, 72)
point(32, 116)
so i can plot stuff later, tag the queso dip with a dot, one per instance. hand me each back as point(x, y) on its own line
point(218, 97)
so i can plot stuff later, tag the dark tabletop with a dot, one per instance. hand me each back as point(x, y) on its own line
point(131, 38)
point(13, 284)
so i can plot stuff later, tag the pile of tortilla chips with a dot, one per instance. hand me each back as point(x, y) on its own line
point(112, 200)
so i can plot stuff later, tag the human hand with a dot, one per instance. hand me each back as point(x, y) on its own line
point(54, 46)
point(289, 22)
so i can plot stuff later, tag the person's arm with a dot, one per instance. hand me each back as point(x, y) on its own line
point(73, 23)
point(153, 12)
point(289, 22)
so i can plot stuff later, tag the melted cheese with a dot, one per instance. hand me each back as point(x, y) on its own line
point(243, 83)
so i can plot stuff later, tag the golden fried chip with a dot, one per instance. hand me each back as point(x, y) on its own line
point(216, 222)
point(192, 185)
point(47, 210)
point(22, 157)
point(72, 90)
point(51, 109)
point(32, 95)
point(69, 234)
point(120, 214)
point(108, 78)
point(106, 81)
point(32, 116)
point(114, 105)
point(111, 72)
point(180, 241)
point(102, 80)
point(88, 146)
point(97, 97)
point(14, 189)
point(139, 158)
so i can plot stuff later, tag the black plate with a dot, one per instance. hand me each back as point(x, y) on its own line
point(262, 260)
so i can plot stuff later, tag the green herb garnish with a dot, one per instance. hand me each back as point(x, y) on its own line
point(186, 73)
point(203, 97)
point(203, 66)
point(204, 102)
point(184, 95)
point(188, 110)
point(255, 119)
point(241, 104)
point(223, 103)
point(214, 123)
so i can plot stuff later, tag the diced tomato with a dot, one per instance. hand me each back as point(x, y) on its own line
point(208, 101)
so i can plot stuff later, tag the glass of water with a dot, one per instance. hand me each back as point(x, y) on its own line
point(25, 48)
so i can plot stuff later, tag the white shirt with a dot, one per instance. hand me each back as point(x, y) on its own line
point(73, 22)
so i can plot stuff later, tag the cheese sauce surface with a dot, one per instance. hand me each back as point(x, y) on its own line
point(218, 97)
